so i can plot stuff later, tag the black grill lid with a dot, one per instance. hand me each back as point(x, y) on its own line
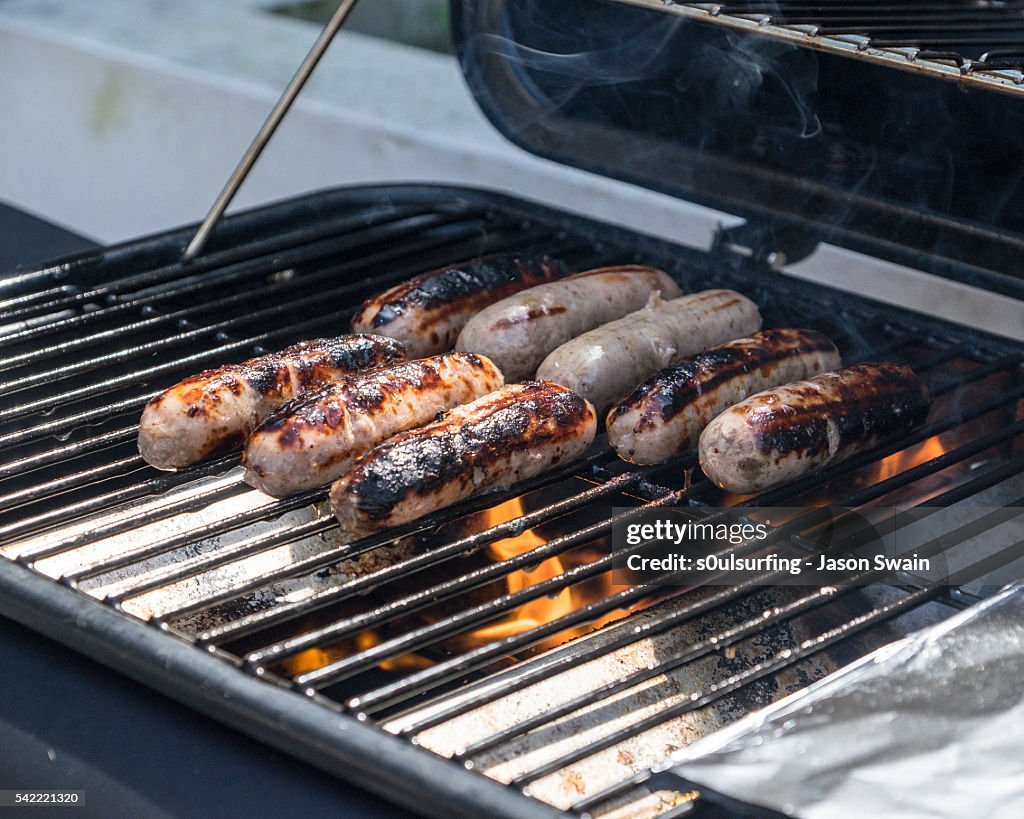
point(923, 167)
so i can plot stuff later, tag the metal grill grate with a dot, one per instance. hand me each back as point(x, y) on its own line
point(394, 637)
point(968, 41)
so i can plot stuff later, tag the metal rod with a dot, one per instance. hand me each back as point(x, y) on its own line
point(273, 120)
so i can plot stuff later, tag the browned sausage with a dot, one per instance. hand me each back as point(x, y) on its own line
point(215, 410)
point(665, 415)
point(427, 313)
point(319, 441)
point(787, 432)
point(507, 436)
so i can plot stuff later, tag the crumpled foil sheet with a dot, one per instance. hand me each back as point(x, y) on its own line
point(929, 726)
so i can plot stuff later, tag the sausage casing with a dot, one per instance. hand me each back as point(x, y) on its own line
point(507, 436)
point(321, 439)
point(214, 411)
point(665, 414)
point(787, 432)
point(427, 313)
point(518, 332)
point(603, 364)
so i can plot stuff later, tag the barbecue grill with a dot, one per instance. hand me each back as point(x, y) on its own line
point(448, 647)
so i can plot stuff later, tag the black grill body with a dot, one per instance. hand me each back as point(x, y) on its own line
point(88, 340)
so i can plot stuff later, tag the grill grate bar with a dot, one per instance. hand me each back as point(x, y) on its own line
point(730, 636)
point(158, 485)
point(786, 658)
point(449, 589)
point(39, 491)
point(452, 668)
point(331, 556)
point(258, 296)
point(584, 808)
point(177, 541)
point(516, 680)
point(403, 569)
point(865, 27)
point(250, 546)
point(65, 296)
point(991, 368)
point(960, 17)
point(68, 452)
point(195, 282)
point(720, 641)
point(129, 520)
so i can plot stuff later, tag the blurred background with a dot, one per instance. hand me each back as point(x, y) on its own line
point(125, 117)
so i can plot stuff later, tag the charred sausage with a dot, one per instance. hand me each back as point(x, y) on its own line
point(665, 414)
point(321, 439)
point(507, 436)
point(603, 364)
point(517, 333)
point(214, 411)
point(787, 432)
point(427, 313)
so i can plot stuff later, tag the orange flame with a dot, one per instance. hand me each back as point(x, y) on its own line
point(544, 609)
point(536, 612)
point(528, 616)
point(908, 459)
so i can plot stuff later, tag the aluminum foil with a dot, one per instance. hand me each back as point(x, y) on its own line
point(929, 726)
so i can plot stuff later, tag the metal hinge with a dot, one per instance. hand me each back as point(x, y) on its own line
point(769, 243)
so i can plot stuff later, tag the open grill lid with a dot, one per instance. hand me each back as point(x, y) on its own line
point(892, 129)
